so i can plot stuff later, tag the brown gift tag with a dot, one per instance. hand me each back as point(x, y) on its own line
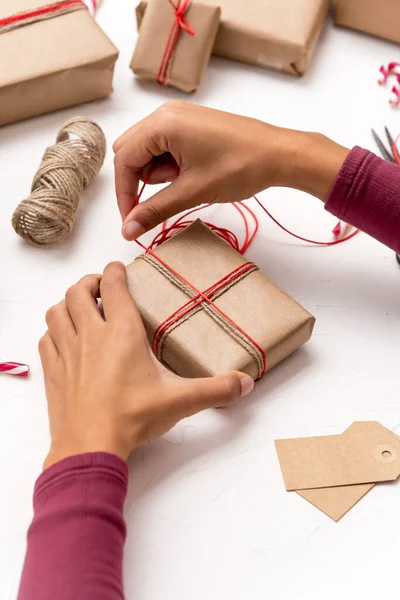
point(377, 18)
point(191, 55)
point(203, 345)
point(335, 472)
point(277, 34)
point(51, 63)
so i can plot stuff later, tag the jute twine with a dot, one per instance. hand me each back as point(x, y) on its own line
point(48, 215)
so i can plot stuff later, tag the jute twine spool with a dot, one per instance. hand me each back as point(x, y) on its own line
point(48, 215)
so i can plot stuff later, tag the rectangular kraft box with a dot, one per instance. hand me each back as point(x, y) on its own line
point(277, 34)
point(377, 17)
point(52, 64)
point(192, 53)
point(201, 345)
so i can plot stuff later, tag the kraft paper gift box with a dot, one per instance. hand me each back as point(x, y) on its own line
point(203, 342)
point(183, 65)
point(52, 60)
point(278, 34)
point(377, 18)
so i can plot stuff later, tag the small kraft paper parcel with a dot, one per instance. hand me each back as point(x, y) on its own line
point(175, 42)
point(208, 310)
point(52, 55)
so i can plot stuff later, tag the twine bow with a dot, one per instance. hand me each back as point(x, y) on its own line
point(179, 24)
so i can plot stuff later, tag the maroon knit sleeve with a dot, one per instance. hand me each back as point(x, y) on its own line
point(76, 539)
point(366, 194)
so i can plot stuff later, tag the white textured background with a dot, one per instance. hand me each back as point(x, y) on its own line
point(207, 512)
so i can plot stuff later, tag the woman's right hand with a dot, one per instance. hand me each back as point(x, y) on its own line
point(213, 157)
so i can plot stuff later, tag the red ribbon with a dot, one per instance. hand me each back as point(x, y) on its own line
point(180, 24)
point(39, 12)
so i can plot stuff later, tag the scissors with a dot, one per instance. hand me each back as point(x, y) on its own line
point(392, 154)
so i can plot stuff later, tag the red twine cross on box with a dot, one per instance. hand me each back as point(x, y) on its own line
point(180, 24)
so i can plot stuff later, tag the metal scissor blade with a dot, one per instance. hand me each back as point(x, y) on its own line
point(385, 153)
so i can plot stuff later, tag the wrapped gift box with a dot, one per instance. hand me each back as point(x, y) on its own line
point(52, 60)
point(185, 65)
point(377, 18)
point(280, 34)
point(188, 334)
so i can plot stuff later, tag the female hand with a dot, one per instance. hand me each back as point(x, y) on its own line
point(213, 156)
point(105, 390)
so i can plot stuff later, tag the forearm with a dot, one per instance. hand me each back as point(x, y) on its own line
point(76, 539)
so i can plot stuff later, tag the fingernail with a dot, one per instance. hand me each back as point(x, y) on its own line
point(132, 230)
point(169, 180)
point(247, 386)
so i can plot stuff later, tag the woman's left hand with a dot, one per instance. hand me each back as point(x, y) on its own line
point(105, 390)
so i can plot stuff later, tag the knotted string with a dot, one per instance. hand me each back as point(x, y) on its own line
point(179, 24)
point(39, 14)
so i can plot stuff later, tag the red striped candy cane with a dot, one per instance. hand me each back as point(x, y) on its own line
point(12, 368)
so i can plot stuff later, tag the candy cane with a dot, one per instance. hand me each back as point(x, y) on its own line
point(12, 368)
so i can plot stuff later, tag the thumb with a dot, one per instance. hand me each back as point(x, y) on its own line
point(196, 395)
point(183, 193)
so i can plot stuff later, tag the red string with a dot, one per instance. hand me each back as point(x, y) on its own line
point(303, 239)
point(179, 24)
point(32, 14)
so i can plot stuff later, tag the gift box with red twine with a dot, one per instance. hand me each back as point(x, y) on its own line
point(175, 42)
point(208, 310)
point(52, 55)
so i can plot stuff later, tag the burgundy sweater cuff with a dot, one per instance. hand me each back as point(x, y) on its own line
point(366, 195)
point(102, 464)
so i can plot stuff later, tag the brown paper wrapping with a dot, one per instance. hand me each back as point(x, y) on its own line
point(278, 34)
point(52, 64)
point(192, 53)
point(377, 18)
point(199, 346)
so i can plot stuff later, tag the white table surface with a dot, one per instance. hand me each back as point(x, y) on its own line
point(207, 512)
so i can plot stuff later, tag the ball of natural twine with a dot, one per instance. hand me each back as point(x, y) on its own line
point(48, 215)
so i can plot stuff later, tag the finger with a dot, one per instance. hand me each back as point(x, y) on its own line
point(126, 136)
point(183, 193)
point(81, 302)
point(60, 326)
point(162, 170)
point(196, 395)
point(118, 304)
point(47, 350)
point(144, 144)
